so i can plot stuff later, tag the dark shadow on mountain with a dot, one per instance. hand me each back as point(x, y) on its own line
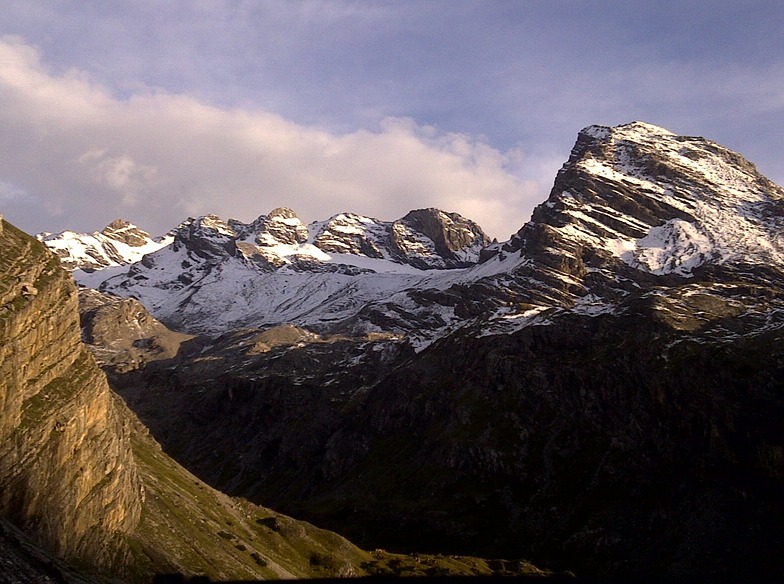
point(610, 445)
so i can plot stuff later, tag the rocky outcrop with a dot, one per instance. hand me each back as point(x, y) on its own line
point(348, 233)
point(282, 226)
point(127, 233)
point(627, 444)
point(67, 476)
point(122, 333)
point(208, 237)
point(454, 238)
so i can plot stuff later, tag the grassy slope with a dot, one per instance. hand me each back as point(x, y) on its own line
point(189, 527)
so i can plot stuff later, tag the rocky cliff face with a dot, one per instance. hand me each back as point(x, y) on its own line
point(454, 238)
point(67, 475)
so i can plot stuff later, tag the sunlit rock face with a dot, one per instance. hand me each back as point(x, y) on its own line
point(67, 475)
point(453, 239)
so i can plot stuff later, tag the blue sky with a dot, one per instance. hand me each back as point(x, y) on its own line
point(157, 110)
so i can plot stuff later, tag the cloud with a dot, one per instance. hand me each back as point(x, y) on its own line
point(11, 193)
point(121, 174)
point(156, 157)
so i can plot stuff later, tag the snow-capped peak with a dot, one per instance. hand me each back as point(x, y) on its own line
point(633, 205)
point(120, 243)
point(664, 203)
point(631, 130)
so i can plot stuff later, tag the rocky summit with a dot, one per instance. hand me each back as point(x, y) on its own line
point(118, 244)
point(602, 393)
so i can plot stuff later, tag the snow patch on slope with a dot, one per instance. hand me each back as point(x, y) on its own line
point(98, 251)
point(677, 247)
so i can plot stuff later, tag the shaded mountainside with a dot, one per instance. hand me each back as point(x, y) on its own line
point(653, 447)
point(646, 450)
point(189, 528)
point(603, 393)
point(25, 562)
point(87, 495)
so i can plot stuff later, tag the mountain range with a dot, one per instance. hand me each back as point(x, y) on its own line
point(86, 493)
point(601, 393)
point(641, 200)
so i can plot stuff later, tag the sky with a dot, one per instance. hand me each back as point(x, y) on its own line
point(157, 110)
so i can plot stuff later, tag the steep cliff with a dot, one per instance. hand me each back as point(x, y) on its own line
point(67, 475)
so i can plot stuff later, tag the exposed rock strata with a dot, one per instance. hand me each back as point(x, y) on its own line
point(126, 232)
point(451, 235)
point(67, 475)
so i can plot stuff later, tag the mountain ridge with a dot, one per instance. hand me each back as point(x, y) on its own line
point(185, 282)
point(605, 386)
point(644, 206)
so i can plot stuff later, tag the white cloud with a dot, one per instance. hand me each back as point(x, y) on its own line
point(11, 193)
point(121, 174)
point(156, 157)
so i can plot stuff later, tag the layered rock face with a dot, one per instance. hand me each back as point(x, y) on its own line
point(638, 196)
point(126, 232)
point(67, 475)
point(456, 239)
